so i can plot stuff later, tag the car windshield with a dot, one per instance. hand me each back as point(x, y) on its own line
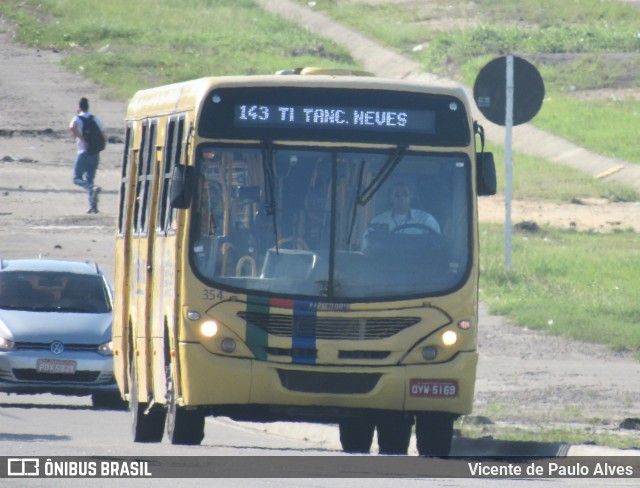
point(46, 291)
point(337, 224)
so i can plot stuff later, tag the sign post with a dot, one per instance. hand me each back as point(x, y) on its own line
point(508, 91)
point(508, 117)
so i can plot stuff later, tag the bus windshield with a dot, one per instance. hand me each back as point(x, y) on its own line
point(332, 223)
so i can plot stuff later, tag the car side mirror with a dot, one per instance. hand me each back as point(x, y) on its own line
point(181, 186)
point(486, 174)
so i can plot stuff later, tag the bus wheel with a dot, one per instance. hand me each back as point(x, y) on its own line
point(434, 432)
point(147, 424)
point(184, 427)
point(394, 433)
point(356, 435)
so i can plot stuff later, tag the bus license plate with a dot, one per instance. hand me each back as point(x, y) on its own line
point(433, 388)
point(56, 366)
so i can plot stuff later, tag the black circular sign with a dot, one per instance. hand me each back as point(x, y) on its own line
point(489, 90)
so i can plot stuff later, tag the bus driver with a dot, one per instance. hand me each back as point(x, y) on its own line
point(402, 218)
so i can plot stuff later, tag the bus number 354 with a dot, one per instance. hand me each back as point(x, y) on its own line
point(212, 294)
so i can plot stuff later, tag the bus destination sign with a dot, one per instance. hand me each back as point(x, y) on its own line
point(335, 117)
point(368, 116)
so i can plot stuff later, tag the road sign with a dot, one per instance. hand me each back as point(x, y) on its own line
point(489, 91)
point(508, 91)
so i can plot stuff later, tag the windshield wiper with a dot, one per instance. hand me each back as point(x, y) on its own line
point(363, 198)
point(354, 214)
point(382, 176)
point(270, 204)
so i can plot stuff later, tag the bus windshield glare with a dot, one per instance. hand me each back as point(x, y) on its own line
point(333, 224)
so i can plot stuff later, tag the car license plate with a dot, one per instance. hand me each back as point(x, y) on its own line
point(56, 366)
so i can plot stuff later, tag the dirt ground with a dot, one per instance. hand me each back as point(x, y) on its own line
point(524, 377)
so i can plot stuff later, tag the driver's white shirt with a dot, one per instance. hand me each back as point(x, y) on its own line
point(414, 216)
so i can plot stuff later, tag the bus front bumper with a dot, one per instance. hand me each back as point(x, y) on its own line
point(212, 380)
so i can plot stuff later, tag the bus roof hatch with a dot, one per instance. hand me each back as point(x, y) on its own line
point(324, 71)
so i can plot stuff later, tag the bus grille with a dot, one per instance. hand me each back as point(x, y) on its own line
point(338, 328)
point(329, 383)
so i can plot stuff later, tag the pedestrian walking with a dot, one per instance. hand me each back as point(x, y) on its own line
point(89, 132)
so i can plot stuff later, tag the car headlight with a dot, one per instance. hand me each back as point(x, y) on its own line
point(6, 344)
point(106, 348)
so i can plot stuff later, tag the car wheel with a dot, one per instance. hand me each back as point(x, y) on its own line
point(147, 424)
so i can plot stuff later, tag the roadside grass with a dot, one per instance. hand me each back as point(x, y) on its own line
point(158, 42)
point(566, 425)
point(609, 127)
point(535, 178)
point(579, 285)
point(593, 435)
point(577, 46)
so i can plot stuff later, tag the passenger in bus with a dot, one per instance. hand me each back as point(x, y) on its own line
point(402, 218)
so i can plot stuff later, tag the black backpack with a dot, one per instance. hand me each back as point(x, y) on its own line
point(92, 134)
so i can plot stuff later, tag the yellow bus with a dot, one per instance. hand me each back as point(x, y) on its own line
point(300, 246)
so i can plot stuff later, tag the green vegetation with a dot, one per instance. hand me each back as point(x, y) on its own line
point(581, 45)
point(607, 126)
point(534, 178)
point(544, 434)
point(127, 45)
point(567, 283)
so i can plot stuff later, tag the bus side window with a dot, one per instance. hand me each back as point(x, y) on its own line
point(124, 179)
point(172, 152)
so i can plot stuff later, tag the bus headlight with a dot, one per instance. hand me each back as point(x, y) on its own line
point(449, 338)
point(209, 328)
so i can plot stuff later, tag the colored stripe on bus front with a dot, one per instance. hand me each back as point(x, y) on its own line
point(281, 302)
point(257, 339)
point(303, 339)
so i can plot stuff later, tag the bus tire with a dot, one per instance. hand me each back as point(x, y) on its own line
point(356, 435)
point(147, 425)
point(434, 433)
point(394, 433)
point(184, 426)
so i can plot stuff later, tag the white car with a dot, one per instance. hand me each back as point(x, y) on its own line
point(55, 330)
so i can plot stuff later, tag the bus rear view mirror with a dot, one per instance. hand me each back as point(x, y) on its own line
point(181, 186)
point(486, 171)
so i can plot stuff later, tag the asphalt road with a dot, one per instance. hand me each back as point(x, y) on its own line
point(52, 427)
